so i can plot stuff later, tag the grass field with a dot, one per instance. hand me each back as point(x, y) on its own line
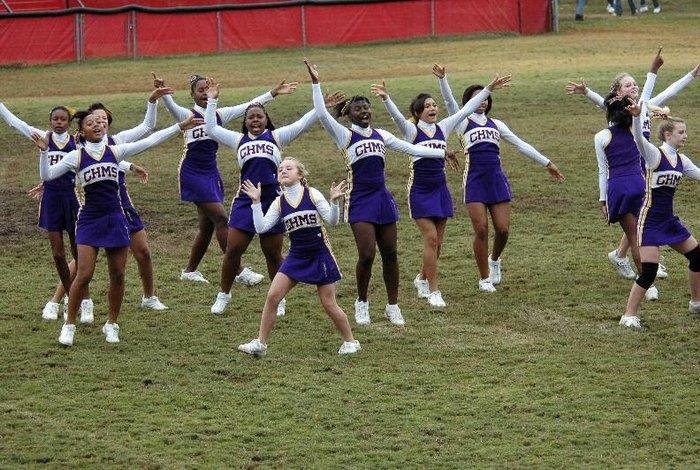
point(538, 374)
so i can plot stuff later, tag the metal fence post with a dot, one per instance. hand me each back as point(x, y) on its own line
point(432, 18)
point(303, 26)
point(79, 38)
point(219, 33)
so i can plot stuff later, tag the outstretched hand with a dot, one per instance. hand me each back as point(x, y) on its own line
point(159, 93)
point(635, 109)
point(158, 82)
point(451, 158)
point(284, 88)
point(40, 141)
point(574, 88)
point(140, 172)
point(657, 62)
point(36, 192)
point(499, 82)
point(337, 190)
point(380, 90)
point(554, 172)
point(696, 71)
point(190, 123)
point(312, 69)
point(439, 71)
point(333, 99)
point(213, 88)
point(251, 190)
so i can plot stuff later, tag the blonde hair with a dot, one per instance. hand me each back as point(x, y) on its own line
point(668, 125)
point(301, 168)
point(615, 85)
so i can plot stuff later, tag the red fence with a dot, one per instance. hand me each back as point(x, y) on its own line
point(83, 33)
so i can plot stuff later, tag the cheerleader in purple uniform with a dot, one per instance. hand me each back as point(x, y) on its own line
point(429, 199)
point(658, 225)
point(302, 210)
point(101, 222)
point(258, 152)
point(59, 204)
point(200, 181)
point(370, 207)
point(486, 188)
point(624, 86)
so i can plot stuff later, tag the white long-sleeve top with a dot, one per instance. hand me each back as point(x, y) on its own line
point(672, 90)
point(143, 129)
point(600, 141)
point(71, 160)
point(652, 155)
point(330, 213)
point(341, 135)
point(447, 125)
point(283, 135)
point(27, 130)
point(522, 146)
point(227, 113)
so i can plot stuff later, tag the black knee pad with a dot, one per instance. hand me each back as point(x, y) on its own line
point(693, 259)
point(646, 278)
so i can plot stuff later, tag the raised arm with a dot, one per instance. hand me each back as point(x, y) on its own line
point(287, 134)
point(689, 168)
point(229, 113)
point(147, 126)
point(450, 101)
point(339, 133)
point(408, 148)
point(330, 212)
point(123, 151)
point(215, 131)
point(176, 111)
point(406, 127)
point(675, 87)
point(649, 152)
point(16, 123)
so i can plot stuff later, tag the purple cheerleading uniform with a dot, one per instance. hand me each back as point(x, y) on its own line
point(428, 194)
point(101, 221)
point(310, 259)
point(367, 198)
point(258, 159)
point(59, 206)
point(657, 224)
point(200, 180)
point(625, 180)
point(130, 212)
point(484, 180)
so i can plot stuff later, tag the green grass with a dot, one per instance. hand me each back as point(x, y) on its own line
point(538, 374)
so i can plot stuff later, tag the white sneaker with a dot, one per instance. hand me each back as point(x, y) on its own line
point(349, 347)
point(194, 276)
point(222, 300)
point(485, 285)
point(86, 311)
point(694, 306)
point(657, 9)
point(153, 303)
point(67, 334)
point(643, 9)
point(631, 321)
point(50, 311)
point(495, 271)
point(610, 9)
point(255, 347)
point(248, 277)
point(662, 272)
point(652, 293)
point(282, 307)
point(421, 287)
point(624, 269)
point(436, 300)
point(393, 313)
point(111, 332)
point(362, 312)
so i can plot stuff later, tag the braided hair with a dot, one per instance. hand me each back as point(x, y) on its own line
point(269, 126)
point(343, 108)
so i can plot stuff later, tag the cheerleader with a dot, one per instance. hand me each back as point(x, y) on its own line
point(429, 199)
point(200, 182)
point(58, 207)
point(258, 152)
point(137, 233)
point(101, 222)
point(486, 188)
point(658, 225)
point(302, 210)
point(370, 207)
point(623, 86)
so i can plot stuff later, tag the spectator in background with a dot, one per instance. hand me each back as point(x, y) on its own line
point(617, 5)
point(643, 6)
point(580, 5)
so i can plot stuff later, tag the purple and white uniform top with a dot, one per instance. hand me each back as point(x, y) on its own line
point(367, 198)
point(303, 210)
point(258, 157)
point(657, 224)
